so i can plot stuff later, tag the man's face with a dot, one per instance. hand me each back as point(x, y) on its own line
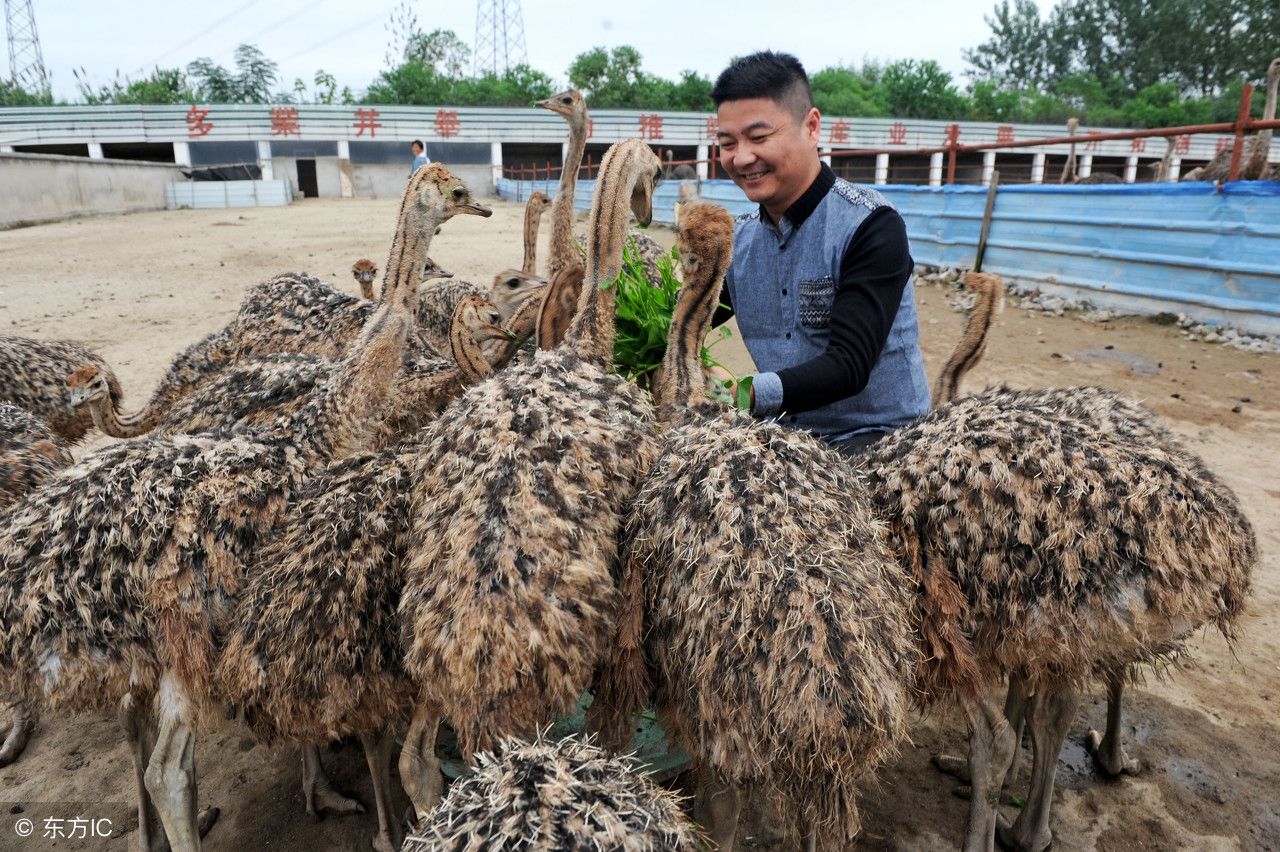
point(417, 149)
point(767, 151)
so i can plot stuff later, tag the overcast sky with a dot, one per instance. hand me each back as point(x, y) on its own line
point(349, 39)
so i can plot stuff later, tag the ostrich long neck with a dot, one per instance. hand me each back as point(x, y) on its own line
point(972, 343)
point(562, 251)
point(532, 218)
point(682, 382)
point(340, 421)
point(592, 329)
point(111, 422)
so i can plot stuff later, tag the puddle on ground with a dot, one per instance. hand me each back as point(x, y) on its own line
point(1137, 365)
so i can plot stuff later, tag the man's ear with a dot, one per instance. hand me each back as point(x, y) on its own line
point(813, 125)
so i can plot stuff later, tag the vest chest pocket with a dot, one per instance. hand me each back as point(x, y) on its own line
point(816, 296)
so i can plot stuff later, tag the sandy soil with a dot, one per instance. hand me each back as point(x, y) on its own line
point(139, 288)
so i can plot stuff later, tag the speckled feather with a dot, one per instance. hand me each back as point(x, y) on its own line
point(546, 796)
point(512, 589)
point(1058, 534)
point(30, 453)
point(777, 620)
point(35, 374)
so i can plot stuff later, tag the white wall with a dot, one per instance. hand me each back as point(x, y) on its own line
point(46, 187)
point(380, 181)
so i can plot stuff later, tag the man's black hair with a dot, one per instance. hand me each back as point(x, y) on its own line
point(418, 142)
point(777, 76)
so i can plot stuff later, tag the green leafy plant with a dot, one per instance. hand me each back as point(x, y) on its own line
point(644, 311)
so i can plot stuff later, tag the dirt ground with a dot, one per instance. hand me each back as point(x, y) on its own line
point(139, 288)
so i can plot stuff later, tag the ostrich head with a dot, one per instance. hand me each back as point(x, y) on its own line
point(431, 269)
point(440, 195)
point(568, 103)
point(704, 236)
point(511, 287)
point(364, 271)
point(481, 319)
point(88, 384)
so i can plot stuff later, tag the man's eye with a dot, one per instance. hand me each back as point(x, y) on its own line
point(758, 139)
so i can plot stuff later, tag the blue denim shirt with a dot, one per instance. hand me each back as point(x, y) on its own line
point(782, 284)
point(418, 162)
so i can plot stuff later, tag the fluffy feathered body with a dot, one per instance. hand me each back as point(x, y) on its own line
point(777, 620)
point(1055, 538)
point(542, 795)
point(30, 453)
point(512, 586)
point(35, 374)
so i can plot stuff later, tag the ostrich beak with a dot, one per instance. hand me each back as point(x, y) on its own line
point(474, 209)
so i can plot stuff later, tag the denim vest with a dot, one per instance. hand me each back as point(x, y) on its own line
point(782, 284)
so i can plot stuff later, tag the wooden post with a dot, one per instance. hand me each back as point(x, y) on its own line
point(986, 220)
point(953, 139)
point(1237, 150)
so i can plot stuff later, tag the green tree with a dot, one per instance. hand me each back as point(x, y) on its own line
point(161, 86)
point(441, 49)
point(845, 91)
point(13, 93)
point(250, 83)
point(921, 89)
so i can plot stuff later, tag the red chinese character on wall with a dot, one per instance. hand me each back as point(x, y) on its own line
point(839, 132)
point(1224, 142)
point(1138, 146)
point(650, 126)
point(897, 133)
point(1182, 144)
point(1004, 134)
point(284, 121)
point(367, 119)
point(447, 123)
point(713, 127)
point(196, 124)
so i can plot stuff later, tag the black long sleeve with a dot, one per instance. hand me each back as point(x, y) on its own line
point(873, 275)
point(724, 311)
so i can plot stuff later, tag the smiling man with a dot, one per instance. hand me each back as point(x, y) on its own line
point(821, 274)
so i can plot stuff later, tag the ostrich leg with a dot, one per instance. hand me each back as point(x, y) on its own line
point(419, 767)
point(1049, 716)
point(320, 797)
point(137, 729)
point(377, 752)
point(18, 729)
point(1108, 749)
point(1015, 703)
point(171, 771)
point(991, 748)
point(715, 808)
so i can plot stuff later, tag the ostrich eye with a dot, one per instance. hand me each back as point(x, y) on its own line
point(513, 283)
point(495, 318)
point(567, 99)
point(458, 192)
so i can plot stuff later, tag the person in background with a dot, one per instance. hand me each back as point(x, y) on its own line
point(420, 157)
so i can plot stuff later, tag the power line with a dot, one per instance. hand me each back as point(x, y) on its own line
point(292, 16)
point(204, 32)
point(342, 33)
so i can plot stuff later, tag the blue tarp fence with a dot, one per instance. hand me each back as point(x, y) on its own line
point(1211, 252)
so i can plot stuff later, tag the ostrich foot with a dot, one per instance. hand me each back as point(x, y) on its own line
point(1108, 749)
point(206, 818)
point(953, 765)
point(1111, 758)
point(318, 794)
point(377, 752)
point(16, 732)
point(1007, 838)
